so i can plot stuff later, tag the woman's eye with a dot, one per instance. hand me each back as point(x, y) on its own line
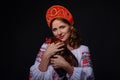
point(62, 26)
point(54, 29)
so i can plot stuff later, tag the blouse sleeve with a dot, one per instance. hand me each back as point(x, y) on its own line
point(85, 70)
point(35, 73)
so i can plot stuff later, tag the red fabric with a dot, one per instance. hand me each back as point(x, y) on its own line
point(58, 11)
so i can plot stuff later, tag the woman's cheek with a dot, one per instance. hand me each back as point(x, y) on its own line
point(54, 33)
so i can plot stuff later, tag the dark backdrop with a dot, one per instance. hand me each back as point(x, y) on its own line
point(24, 29)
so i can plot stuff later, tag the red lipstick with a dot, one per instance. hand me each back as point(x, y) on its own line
point(61, 37)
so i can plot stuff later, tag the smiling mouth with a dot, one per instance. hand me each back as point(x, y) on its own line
point(61, 37)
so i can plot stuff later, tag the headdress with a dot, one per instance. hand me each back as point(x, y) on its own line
point(58, 11)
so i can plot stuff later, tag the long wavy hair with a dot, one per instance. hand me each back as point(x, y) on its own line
point(74, 39)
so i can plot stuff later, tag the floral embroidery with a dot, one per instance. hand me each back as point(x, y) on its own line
point(30, 75)
point(86, 60)
point(40, 54)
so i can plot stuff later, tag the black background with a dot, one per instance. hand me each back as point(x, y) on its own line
point(24, 29)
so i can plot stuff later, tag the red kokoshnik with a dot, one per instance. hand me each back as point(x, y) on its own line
point(58, 11)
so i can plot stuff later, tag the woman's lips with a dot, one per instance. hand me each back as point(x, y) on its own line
point(61, 37)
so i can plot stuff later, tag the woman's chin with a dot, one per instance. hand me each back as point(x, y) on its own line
point(63, 40)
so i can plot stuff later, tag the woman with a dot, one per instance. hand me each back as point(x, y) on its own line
point(61, 22)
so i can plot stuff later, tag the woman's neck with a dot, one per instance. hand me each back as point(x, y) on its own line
point(69, 47)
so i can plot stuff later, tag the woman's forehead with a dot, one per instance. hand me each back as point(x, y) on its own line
point(57, 23)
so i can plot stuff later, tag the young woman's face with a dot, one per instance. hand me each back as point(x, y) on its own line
point(61, 30)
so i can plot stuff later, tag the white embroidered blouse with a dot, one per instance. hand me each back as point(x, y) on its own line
point(84, 71)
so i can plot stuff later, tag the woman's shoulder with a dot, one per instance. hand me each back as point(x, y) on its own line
point(83, 48)
point(43, 46)
point(46, 41)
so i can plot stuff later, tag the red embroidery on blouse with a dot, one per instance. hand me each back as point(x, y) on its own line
point(86, 60)
point(39, 56)
point(30, 75)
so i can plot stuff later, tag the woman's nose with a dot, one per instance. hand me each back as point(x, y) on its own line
point(59, 32)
